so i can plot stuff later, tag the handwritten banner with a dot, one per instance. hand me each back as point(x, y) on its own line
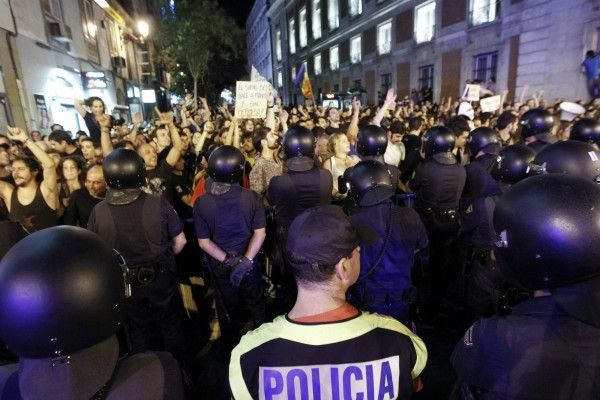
point(251, 99)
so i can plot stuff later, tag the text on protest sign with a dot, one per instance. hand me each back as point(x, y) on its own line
point(250, 99)
point(490, 104)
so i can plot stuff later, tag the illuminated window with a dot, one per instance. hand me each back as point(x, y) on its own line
point(425, 22)
point(355, 7)
point(333, 13)
point(317, 62)
point(482, 11)
point(302, 27)
point(316, 19)
point(355, 50)
point(292, 35)
point(334, 58)
point(384, 37)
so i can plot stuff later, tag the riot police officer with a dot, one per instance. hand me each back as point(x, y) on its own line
point(547, 348)
point(147, 233)
point(385, 284)
point(63, 324)
point(536, 127)
point(586, 130)
point(230, 226)
point(303, 185)
point(487, 291)
point(438, 184)
point(569, 157)
point(512, 165)
point(371, 144)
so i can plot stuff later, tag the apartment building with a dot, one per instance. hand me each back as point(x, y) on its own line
point(258, 40)
point(55, 51)
point(437, 44)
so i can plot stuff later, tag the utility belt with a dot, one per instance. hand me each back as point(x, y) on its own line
point(442, 220)
point(142, 274)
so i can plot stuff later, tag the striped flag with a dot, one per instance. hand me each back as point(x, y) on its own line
point(303, 82)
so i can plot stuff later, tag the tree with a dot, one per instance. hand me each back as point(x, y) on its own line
point(198, 37)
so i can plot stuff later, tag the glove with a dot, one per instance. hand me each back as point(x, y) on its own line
point(231, 260)
point(240, 271)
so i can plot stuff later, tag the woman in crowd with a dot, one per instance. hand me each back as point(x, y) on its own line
point(94, 118)
point(340, 159)
point(71, 178)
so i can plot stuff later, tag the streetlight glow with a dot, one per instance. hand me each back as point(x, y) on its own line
point(143, 28)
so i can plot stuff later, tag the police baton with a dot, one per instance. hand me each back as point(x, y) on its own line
point(218, 292)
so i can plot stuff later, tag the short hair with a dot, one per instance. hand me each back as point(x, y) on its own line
point(88, 139)
point(53, 125)
point(459, 125)
point(318, 131)
point(314, 274)
point(398, 127)
point(60, 136)
point(505, 119)
point(258, 136)
point(414, 123)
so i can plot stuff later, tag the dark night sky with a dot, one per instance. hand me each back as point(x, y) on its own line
point(238, 9)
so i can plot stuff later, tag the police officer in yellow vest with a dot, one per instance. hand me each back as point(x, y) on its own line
point(324, 347)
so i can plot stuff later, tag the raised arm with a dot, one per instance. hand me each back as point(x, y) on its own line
point(390, 100)
point(270, 118)
point(80, 107)
point(49, 185)
point(105, 142)
point(175, 152)
point(352, 131)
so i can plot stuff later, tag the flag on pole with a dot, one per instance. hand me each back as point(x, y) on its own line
point(303, 82)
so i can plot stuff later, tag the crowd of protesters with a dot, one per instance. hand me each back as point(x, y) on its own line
point(57, 177)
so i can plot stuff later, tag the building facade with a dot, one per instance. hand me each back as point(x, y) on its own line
point(259, 40)
point(437, 44)
point(53, 52)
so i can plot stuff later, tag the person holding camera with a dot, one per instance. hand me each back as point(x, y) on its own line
point(147, 233)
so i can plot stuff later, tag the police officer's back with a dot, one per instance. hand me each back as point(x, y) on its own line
point(439, 180)
point(548, 347)
point(147, 232)
point(230, 226)
point(303, 185)
point(385, 283)
point(63, 324)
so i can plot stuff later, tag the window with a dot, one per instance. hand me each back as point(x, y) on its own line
point(484, 66)
point(386, 83)
point(317, 62)
point(89, 30)
point(384, 37)
point(426, 77)
point(292, 36)
point(279, 79)
point(333, 13)
point(302, 27)
point(53, 9)
point(293, 77)
point(425, 22)
point(482, 11)
point(316, 19)
point(334, 58)
point(115, 42)
point(355, 50)
point(355, 7)
point(278, 45)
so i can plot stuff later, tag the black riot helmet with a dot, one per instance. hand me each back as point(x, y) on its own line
point(61, 290)
point(547, 231)
point(436, 140)
point(586, 130)
point(535, 122)
point(370, 183)
point(372, 141)
point(484, 139)
point(226, 165)
point(569, 157)
point(298, 141)
point(124, 169)
point(513, 164)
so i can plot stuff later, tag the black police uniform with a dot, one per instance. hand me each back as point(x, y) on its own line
point(385, 286)
point(295, 191)
point(228, 215)
point(438, 184)
point(141, 227)
point(537, 123)
point(548, 347)
point(142, 232)
point(537, 352)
